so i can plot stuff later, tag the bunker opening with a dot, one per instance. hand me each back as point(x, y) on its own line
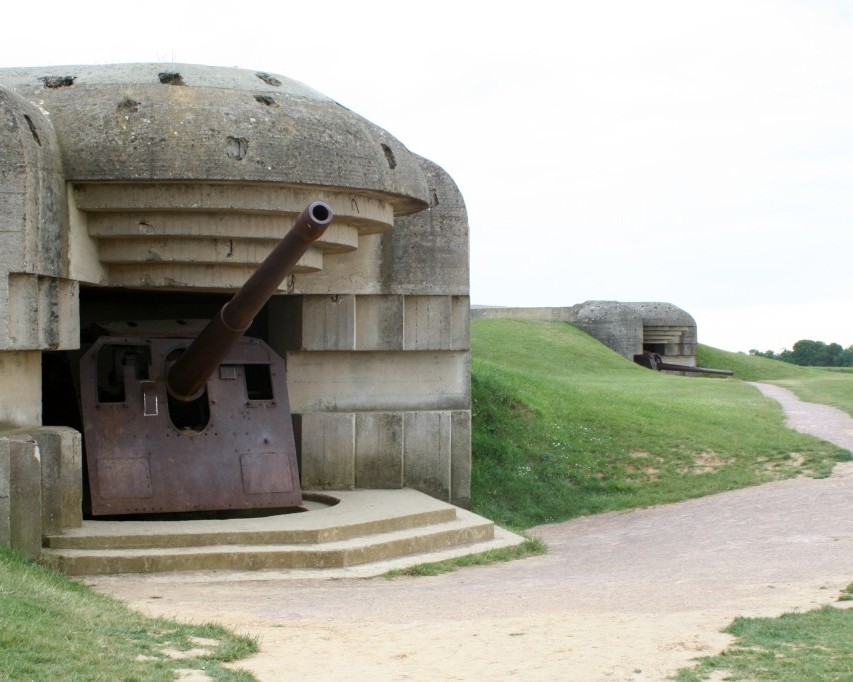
point(180, 397)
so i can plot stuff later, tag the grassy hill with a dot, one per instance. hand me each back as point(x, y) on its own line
point(832, 386)
point(563, 426)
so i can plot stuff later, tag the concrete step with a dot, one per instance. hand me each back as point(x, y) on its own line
point(363, 528)
point(327, 517)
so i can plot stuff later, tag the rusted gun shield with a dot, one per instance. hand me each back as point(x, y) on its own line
point(232, 448)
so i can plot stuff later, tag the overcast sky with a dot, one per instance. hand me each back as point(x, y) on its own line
point(694, 152)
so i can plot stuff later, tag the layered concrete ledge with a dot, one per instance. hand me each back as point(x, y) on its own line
point(365, 528)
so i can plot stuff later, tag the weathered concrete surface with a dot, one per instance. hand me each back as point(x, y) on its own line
point(429, 250)
point(388, 381)
point(20, 388)
point(61, 460)
point(620, 596)
point(379, 450)
point(38, 306)
point(20, 495)
point(33, 197)
point(256, 127)
point(343, 534)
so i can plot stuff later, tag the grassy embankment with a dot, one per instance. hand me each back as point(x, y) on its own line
point(54, 628)
point(564, 427)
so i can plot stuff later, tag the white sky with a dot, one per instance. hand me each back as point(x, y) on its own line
point(698, 152)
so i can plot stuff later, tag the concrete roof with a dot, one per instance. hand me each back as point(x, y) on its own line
point(180, 122)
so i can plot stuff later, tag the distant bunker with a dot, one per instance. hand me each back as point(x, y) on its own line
point(630, 329)
point(135, 194)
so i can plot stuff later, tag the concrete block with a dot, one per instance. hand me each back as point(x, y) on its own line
point(23, 312)
point(391, 381)
point(356, 272)
point(12, 246)
point(67, 314)
point(84, 264)
point(22, 523)
point(379, 323)
point(427, 452)
point(61, 454)
point(328, 322)
point(312, 323)
point(460, 458)
point(326, 446)
point(20, 388)
point(460, 323)
point(5, 484)
point(379, 450)
point(39, 313)
point(427, 323)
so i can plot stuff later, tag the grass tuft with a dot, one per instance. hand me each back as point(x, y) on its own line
point(796, 647)
point(530, 547)
point(55, 628)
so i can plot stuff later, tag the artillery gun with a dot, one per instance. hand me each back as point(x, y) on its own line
point(654, 361)
point(182, 416)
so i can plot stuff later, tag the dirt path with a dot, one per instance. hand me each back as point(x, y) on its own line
point(620, 596)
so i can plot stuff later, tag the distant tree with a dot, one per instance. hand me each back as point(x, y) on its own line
point(833, 355)
point(786, 356)
point(811, 354)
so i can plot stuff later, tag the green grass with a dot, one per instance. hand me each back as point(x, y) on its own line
point(54, 628)
point(530, 547)
point(564, 427)
point(796, 647)
point(831, 385)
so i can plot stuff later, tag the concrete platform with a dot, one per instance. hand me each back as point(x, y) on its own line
point(338, 530)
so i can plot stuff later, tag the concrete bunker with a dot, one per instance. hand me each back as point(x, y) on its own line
point(147, 192)
point(633, 328)
point(626, 328)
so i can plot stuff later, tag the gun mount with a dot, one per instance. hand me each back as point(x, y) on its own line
point(186, 416)
point(654, 361)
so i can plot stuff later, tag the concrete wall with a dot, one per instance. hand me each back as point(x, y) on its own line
point(379, 371)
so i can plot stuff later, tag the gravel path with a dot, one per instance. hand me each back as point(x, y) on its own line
point(824, 421)
point(620, 596)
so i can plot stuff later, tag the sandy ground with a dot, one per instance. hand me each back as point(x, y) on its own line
point(620, 596)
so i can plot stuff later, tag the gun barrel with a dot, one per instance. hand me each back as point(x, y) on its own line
point(654, 361)
point(187, 376)
point(668, 366)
